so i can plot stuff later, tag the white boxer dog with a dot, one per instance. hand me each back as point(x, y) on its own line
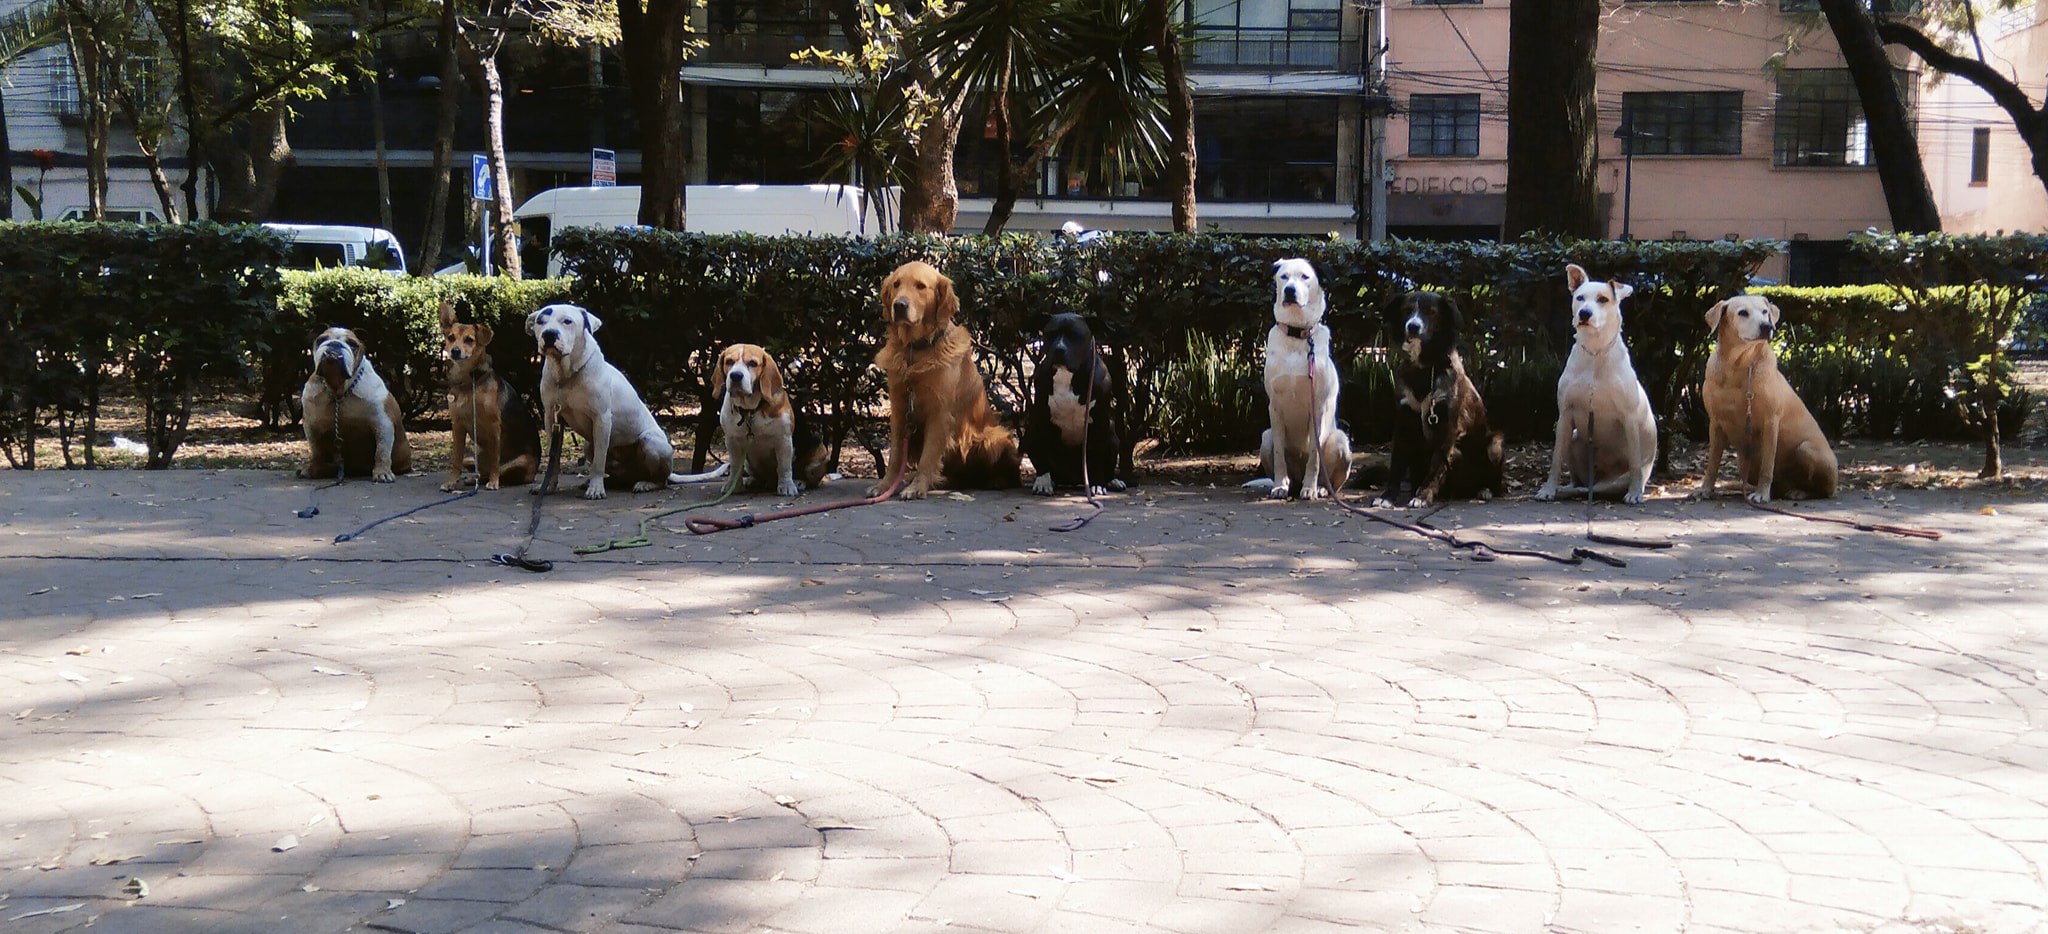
point(589, 396)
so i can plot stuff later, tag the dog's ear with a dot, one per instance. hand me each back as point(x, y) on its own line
point(1390, 312)
point(1456, 316)
point(483, 335)
point(719, 370)
point(1574, 276)
point(1777, 314)
point(1714, 317)
point(532, 318)
point(945, 303)
point(591, 322)
point(1276, 267)
point(1622, 290)
point(770, 377)
point(447, 315)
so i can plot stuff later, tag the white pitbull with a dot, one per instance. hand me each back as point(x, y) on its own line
point(1305, 449)
point(580, 390)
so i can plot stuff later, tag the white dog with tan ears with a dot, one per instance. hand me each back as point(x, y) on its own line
point(580, 390)
point(1779, 448)
point(1305, 450)
point(1606, 433)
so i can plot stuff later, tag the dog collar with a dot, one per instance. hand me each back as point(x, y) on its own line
point(1295, 332)
point(927, 343)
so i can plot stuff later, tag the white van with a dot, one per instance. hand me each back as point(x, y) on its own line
point(322, 246)
point(769, 210)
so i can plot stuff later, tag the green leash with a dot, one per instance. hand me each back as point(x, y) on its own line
point(641, 540)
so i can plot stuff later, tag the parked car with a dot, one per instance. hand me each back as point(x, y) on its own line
point(326, 246)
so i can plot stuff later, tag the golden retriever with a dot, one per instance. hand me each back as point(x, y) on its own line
point(1779, 448)
point(938, 405)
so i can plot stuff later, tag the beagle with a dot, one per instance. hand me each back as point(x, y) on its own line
point(761, 434)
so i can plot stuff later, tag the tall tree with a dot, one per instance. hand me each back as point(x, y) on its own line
point(1180, 108)
point(1899, 169)
point(2030, 119)
point(1003, 51)
point(889, 80)
point(1553, 125)
point(446, 102)
point(654, 40)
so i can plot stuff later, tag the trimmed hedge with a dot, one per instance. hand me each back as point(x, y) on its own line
point(164, 306)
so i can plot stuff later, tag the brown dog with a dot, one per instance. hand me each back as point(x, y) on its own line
point(484, 407)
point(1779, 448)
point(761, 432)
point(938, 405)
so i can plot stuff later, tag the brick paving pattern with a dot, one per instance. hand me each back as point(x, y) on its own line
point(1201, 713)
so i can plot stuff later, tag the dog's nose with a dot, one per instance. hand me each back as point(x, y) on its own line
point(1287, 296)
point(735, 377)
point(1585, 315)
point(454, 353)
point(901, 309)
point(1414, 329)
point(548, 338)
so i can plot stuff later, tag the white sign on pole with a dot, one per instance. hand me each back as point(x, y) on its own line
point(479, 177)
point(604, 168)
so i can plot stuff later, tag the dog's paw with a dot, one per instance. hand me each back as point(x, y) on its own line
point(787, 488)
point(1418, 503)
point(594, 489)
point(491, 484)
point(646, 486)
point(1043, 485)
point(916, 489)
point(1311, 491)
point(1118, 486)
point(1279, 491)
point(1632, 497)
point(453, 485)
point(383, 476)
point(537, 488)
point(1547, 493)
point(1381, 502)
point(1760, 497)
point(1700, 494)
point(1098, 490)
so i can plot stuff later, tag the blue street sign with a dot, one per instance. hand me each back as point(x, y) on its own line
point(479, 177)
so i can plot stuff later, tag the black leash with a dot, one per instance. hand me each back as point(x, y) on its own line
point(1481, 551)
point(518, 558)
point(1087, 483)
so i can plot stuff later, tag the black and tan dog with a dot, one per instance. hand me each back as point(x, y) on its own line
point(1442, 447)
point(485, 410)
point(1070, 422)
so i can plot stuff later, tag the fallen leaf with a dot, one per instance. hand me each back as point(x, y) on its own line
point(785, 801)
point(1987, 511)
point(104, 860)
point(391, 903)
point(289, 841)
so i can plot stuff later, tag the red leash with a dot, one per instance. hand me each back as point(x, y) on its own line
point(1929, 534)
point(705, 525)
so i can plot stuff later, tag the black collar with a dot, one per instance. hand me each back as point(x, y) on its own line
point(927, 343)
point(1295, 332)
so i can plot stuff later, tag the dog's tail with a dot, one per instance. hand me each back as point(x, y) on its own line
point(705, 477)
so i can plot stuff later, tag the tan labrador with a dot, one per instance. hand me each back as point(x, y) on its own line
point(1751, 408)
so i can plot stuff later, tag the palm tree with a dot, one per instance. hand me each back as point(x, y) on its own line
point(1054, 72)
point(33, 27)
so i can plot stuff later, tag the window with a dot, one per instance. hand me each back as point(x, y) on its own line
point(765, 137)
point(1443, 125)
point(1682, 123)
point(1266, 149)
point(1281, 34)
point(1980, 156)
point(1820, 120)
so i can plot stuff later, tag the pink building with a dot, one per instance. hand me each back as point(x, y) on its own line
point(1732, 136)
point(1979, 168)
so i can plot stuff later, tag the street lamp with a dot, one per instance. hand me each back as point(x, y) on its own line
point(1627, 134)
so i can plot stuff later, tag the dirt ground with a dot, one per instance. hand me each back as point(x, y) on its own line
point(220, 437)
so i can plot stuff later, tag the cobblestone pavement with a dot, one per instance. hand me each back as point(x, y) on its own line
point(1200, 713)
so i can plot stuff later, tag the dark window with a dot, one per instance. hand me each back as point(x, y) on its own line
point(1266, 149)
point(765, 32)
point(1443, 125)
point(1820, 119)
point(1825, 262)
point(765, 137)
point(1980, 156)
point(1303, 35)
point(1683, 123)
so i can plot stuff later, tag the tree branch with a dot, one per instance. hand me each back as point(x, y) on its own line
point(2002, 89)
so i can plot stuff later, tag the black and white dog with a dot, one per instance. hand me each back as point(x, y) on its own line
point(1071, 421)
point(1442, 447)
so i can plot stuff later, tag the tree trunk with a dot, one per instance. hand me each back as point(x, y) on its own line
point(1008, 187)
point(82, 31)
point(377, 140)
point(248, 175)
point(6, 164)
point(166, 196)
point(931, 197)
point(1899, 168)
point(505, 252)
point(1180, 114)
point(651, 45)
point(1553, 123)
point(444, 145)
point(187, 104)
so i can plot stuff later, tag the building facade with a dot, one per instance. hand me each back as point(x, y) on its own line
point(1980, 169)
point(1731, 135)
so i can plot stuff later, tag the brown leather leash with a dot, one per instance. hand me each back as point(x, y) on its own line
point(705, 525)
point(1929, 534)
